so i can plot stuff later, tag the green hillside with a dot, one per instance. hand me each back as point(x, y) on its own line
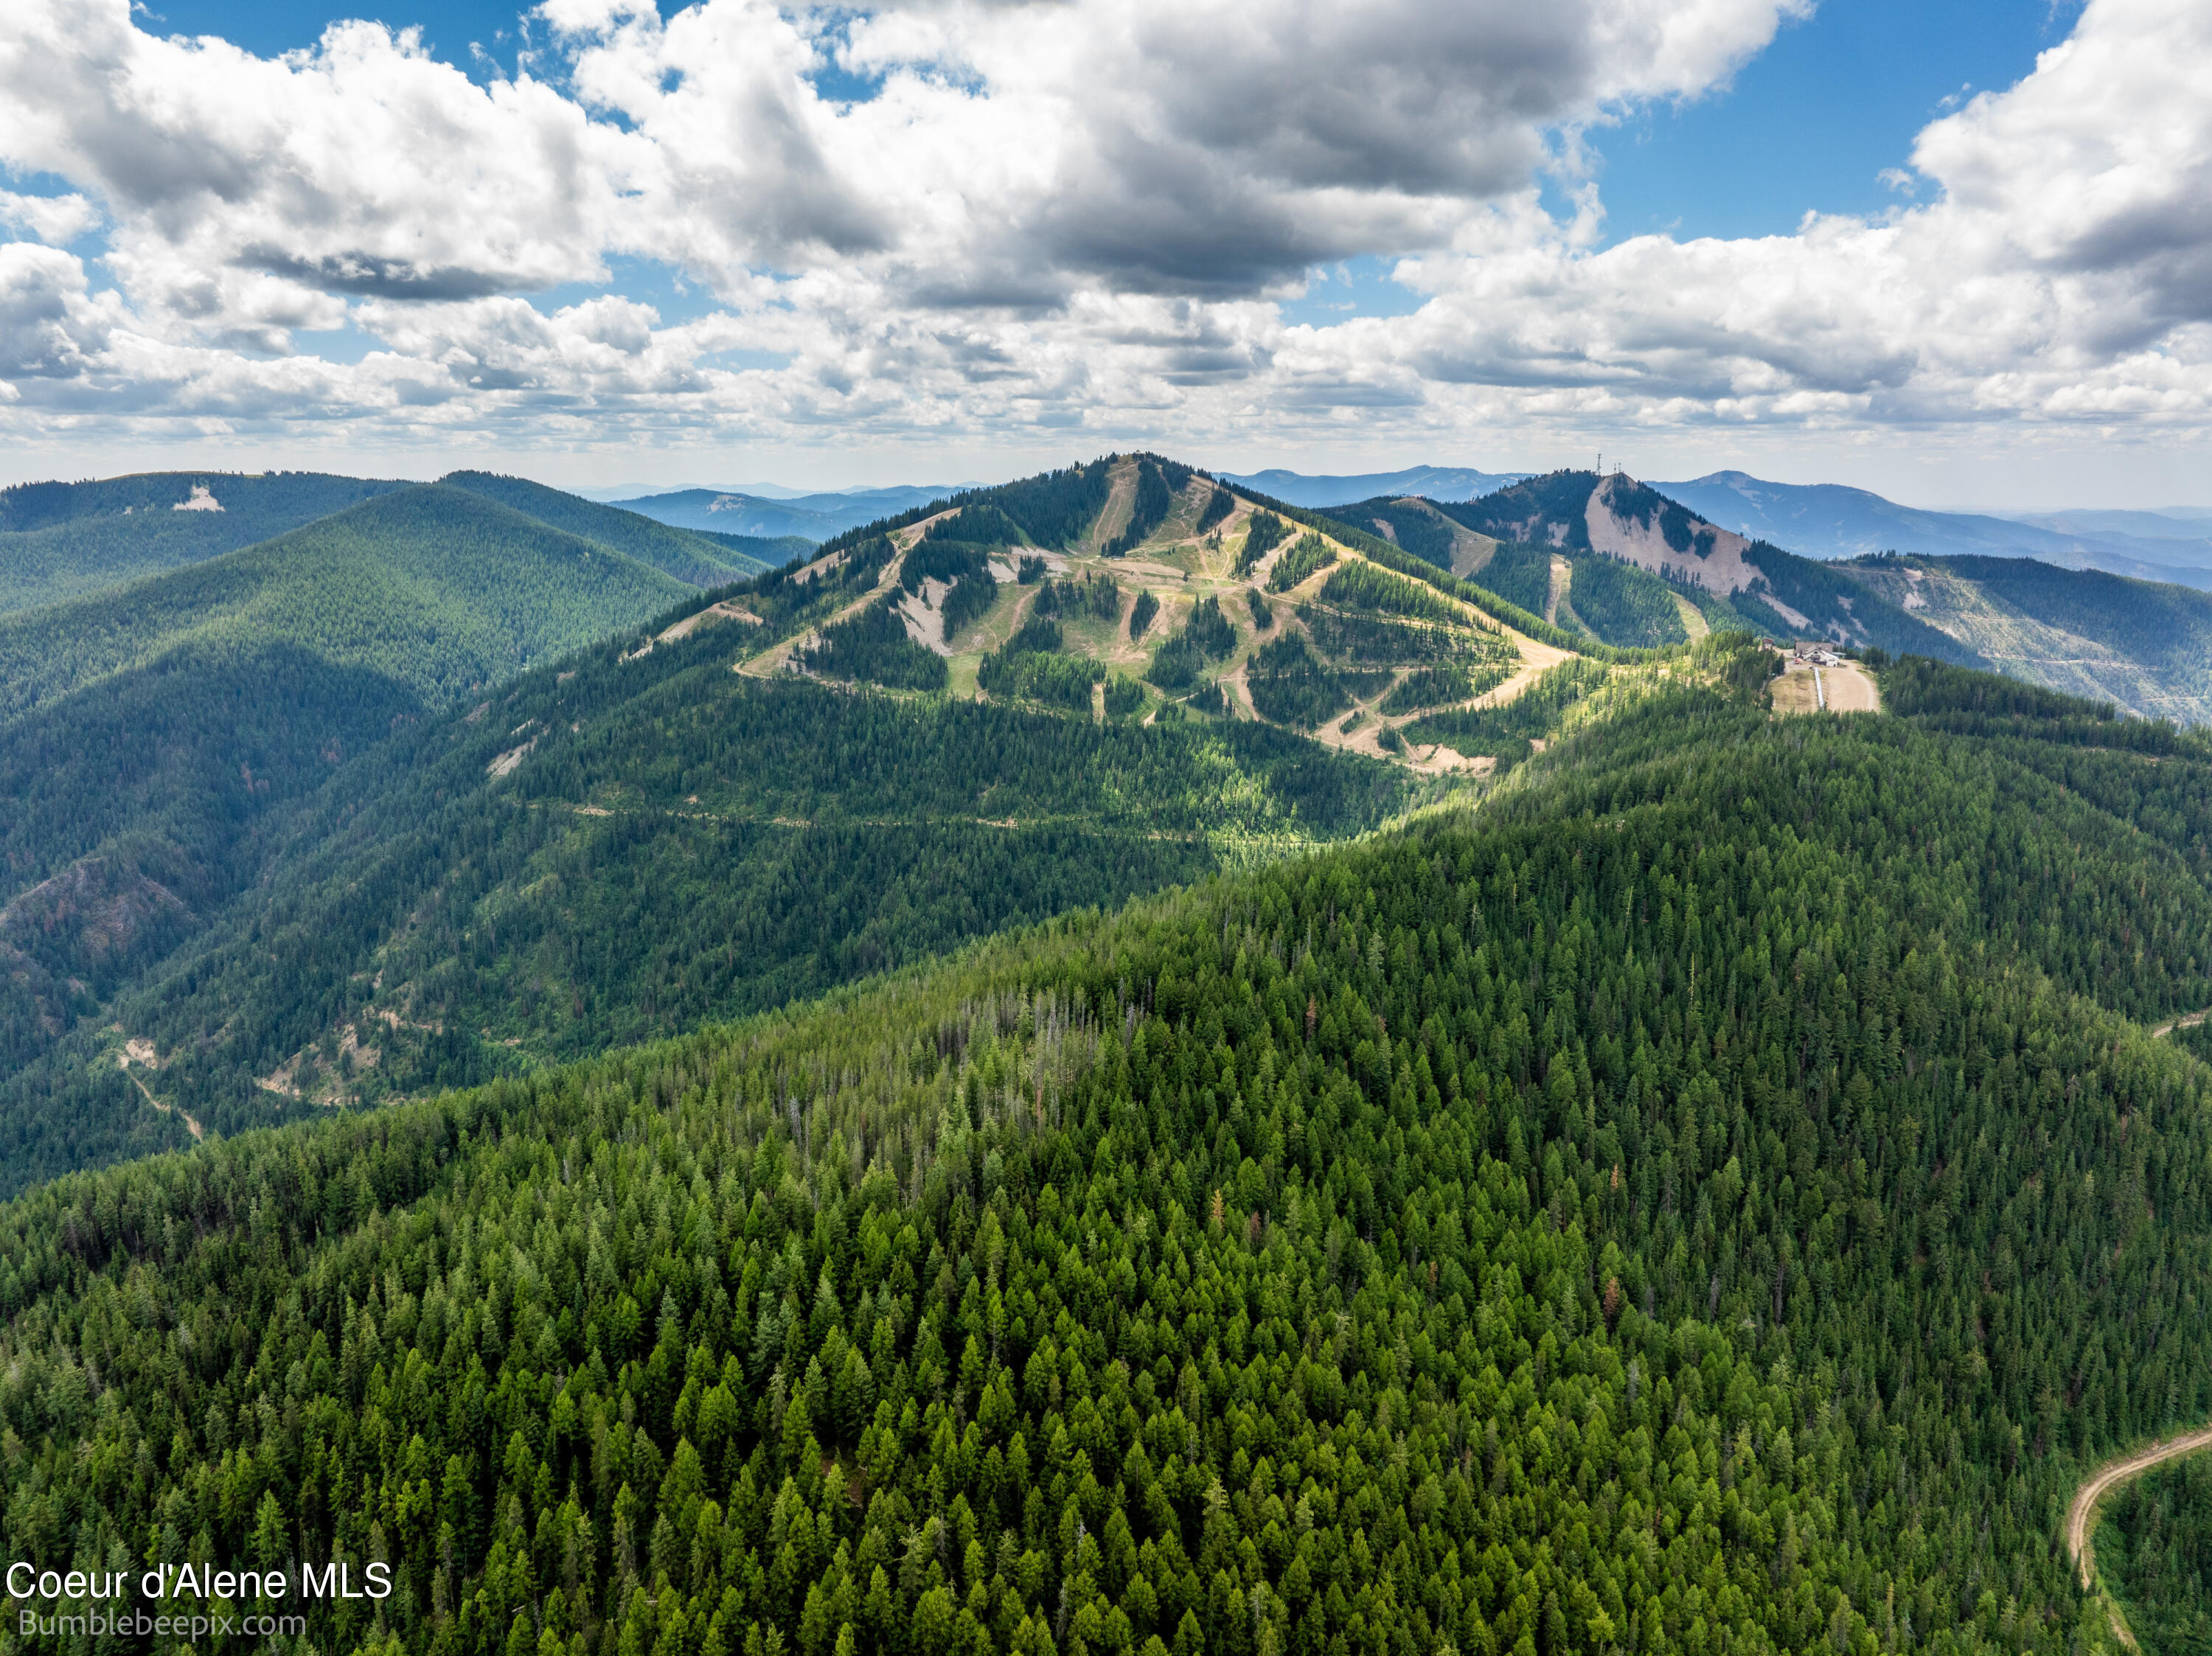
point(619, 847)
point(698, 559)
point(1412, 525)
point(140, 805)
point(1712, 1197)
point(2146, 645)
point(770, 551)
point(62, 541)
point(438, 589)
point(288, 889)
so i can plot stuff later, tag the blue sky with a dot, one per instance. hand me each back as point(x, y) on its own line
point(1812, 122)
point(1080, 226)
point(1809, 124)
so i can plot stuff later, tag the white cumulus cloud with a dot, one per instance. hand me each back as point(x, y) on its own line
point(1063, 213)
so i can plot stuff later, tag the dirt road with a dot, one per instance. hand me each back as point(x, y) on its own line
point(142, 1050)
point(1849, 690)
point(2081, 1517)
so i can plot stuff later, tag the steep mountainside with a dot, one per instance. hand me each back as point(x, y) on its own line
point(2147, 647)
point(626, 844)
point(61, 540)
point(437, 588)
point(1572, 544)
point(1716, 1197)
point(135, 805)
point(1571, 518)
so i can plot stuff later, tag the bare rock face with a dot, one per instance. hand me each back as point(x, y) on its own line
point(1632, 523)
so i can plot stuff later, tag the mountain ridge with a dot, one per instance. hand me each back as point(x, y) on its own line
point(1836, 521)
point(363, 585)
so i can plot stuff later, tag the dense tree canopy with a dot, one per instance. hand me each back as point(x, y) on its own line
point(1712, 1199)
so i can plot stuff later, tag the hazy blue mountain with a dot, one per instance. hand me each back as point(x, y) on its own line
point(1429, 483)
point(2171, 537)
point(817, 516)
point(1832, 520)
point(608, 494)
point(2178, 523)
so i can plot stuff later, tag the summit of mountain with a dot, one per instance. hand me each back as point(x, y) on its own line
point(65, 540)
point(439, 588)
point(695, 559)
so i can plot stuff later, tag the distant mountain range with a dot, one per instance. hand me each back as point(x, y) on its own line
point(780, 513)
point(1829, 520)
point(1429, 482)
point(610, 493)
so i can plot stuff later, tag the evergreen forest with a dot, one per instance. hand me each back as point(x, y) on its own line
point(1718, 1194)
point(1105, 1066)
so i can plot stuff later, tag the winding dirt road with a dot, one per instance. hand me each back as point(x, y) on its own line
point(2080, 1516)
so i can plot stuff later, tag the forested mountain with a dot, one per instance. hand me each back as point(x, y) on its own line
point(440, 589)
point(1715, 1195)
point(1612, 559)
point(345, 892)
point(1145, 589)
point(267, 862)
point(161, 730)
point(341, 892)
point(2145, 645)
point(60, 540)
point(618, 845)
point(1577, 522)
point(140, 805)
point(1087, 685)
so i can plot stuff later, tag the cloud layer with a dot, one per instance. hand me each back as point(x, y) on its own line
point(1043, 218)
